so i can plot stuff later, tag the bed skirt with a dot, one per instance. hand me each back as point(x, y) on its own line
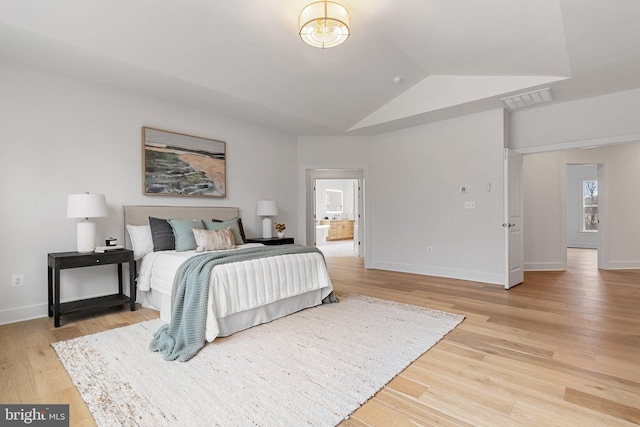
point(238, 321)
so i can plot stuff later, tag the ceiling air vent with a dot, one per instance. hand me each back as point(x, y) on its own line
point(529, 98)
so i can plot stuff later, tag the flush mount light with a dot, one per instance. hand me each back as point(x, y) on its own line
point(529, 98)
point(324, 24)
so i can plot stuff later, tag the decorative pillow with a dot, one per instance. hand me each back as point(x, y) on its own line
point(162, 235)
point(213, 240)
point(236, 228)
point(183, 234)
point(141, 240)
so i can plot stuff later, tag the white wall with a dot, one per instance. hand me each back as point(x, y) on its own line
point(600, 120)
point(544, 183)
point(576, 238)
point(61, 135)
point(412, 194)
point(416, 175)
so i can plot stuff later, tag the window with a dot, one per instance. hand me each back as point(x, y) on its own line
point(590, 205)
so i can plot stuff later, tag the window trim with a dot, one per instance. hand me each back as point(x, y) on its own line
point(584, 207)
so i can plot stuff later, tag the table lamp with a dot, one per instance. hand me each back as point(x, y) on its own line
point(267, 209)
point(86, 206)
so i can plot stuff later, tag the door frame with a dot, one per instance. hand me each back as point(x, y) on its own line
point(311, 175)
point(604, 258)
point(603, 215)
point(603, 212)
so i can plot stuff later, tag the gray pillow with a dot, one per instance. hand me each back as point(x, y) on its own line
point(236, 228)
point(185, 241)
point(161, 234)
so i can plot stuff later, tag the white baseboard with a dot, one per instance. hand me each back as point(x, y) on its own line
point(557, 266)
point(623, 265)
point(474, 276)
point(13, 315)
point(544, 266)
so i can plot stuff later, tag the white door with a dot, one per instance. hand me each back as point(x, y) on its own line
point(514, 244)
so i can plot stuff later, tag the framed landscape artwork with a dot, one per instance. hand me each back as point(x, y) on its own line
point(176, 164)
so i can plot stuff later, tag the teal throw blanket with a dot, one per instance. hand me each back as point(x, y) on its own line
point(185, 335)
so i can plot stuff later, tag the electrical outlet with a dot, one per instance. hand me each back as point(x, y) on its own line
point(469, 205)
point(429, 249)
point(17, 280)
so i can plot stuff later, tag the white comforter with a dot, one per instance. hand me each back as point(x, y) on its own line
point(241, 286)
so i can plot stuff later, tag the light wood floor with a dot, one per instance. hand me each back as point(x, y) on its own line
point(563, 348)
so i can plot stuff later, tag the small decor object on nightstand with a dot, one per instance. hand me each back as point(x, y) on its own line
point(280, 229)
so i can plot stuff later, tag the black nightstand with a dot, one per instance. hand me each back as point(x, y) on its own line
point(272, 241)
point(61, 260)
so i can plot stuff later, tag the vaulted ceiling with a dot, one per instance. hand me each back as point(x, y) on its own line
point(244, 59)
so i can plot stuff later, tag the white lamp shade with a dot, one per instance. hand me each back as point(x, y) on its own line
point(86, 206)
point(267, 208)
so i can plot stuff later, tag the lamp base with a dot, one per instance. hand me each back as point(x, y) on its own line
point(86, 236)
point(267, 224)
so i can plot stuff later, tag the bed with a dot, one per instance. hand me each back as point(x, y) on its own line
point(242, 294)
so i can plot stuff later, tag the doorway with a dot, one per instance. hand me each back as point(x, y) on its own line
point(335, 211)
point(583, 216)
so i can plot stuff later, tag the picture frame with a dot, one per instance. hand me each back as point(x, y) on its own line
point(177, 164)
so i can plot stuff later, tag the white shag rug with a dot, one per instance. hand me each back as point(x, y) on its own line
point(314, 367)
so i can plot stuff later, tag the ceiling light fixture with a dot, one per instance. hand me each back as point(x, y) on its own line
point(529, 98)
point(324, 24)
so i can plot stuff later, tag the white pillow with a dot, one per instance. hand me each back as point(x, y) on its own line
point(141, 240)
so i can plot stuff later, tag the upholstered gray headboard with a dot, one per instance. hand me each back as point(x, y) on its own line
point(139, 215)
